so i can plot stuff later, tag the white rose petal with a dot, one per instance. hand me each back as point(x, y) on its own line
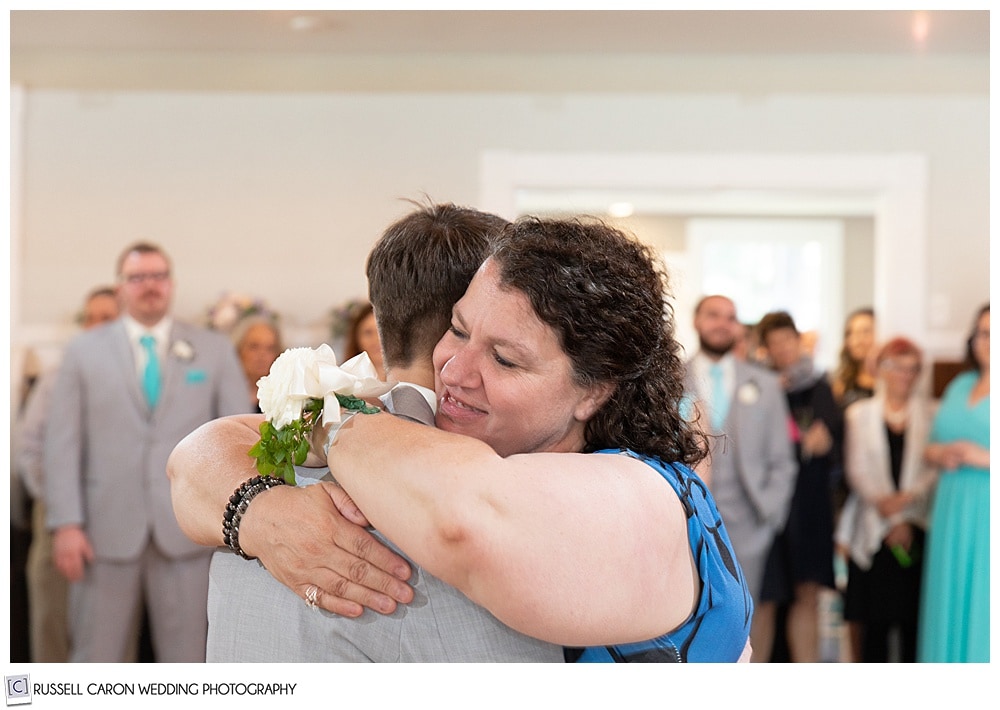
point(357, 377)
point(300, 374)
point(282, 392)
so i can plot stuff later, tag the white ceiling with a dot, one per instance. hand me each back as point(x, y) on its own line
point(479, 50)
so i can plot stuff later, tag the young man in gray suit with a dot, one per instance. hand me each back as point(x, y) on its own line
point(753, 464)
point(126, 393)
point(418, 269)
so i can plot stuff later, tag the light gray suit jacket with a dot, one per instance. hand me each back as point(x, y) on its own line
point(753, 466)
point(254, 618)
point(106, 452)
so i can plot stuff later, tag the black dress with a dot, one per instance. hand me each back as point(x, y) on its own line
point(803, 552)
point(888, 594)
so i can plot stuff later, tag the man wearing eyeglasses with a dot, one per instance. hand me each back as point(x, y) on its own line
point(126, 394)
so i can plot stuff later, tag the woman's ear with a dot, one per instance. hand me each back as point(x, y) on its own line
point(593, 400)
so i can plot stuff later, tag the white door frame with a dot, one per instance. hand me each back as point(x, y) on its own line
point(893, 184)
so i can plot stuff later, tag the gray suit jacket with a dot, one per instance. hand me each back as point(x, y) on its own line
point(254, 618)
point(106, 452)
point(753, 465)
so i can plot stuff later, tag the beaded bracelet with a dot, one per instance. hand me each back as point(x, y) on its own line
point(239, 501)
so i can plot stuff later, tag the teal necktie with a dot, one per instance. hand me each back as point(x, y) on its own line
point(151, 375)
point(720, 398)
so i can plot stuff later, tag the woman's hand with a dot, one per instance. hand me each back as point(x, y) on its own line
point(816, 440)
point(895, 503)
point(945, 456)
point(901, 535)
point(950, 456)
point(315, 536)
point(971, 454)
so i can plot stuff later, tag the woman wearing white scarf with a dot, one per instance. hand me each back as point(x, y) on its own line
point(884, 442)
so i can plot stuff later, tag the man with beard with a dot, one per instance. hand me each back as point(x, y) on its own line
point(126, 393)
point(753, 465)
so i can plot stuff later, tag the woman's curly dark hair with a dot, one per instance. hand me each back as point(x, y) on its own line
point(605, 295)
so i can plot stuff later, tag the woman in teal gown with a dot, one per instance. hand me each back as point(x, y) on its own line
point(955, 601)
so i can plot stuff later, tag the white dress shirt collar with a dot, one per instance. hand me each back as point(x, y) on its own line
point(160, 331)
point(702, 364)
point(135, 330)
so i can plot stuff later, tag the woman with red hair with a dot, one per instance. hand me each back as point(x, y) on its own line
point(885, 437)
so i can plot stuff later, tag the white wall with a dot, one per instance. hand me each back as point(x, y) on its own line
point(283, 195)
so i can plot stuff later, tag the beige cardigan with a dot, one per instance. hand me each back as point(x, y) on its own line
point(867, 466)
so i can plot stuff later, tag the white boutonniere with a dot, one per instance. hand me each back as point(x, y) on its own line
point(748, 393)
point(182, 350)
point(305, 387)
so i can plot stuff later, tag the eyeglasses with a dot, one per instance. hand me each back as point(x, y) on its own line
point(902, 369)
point(154, 276)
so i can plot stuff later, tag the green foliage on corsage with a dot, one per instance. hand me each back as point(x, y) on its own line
point(279, 451)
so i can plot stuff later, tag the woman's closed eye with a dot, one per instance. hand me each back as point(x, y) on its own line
point(456, 331)
point(503, 362)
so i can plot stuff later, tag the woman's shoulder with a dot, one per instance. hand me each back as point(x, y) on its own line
point(960, 384)
point(965, 378)
point(649, 459)
point(861, 407)
point(679, 475)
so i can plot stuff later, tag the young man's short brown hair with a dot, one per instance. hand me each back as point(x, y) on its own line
point(418, 269)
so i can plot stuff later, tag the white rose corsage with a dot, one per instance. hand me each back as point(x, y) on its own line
point(748, 393)
point(182, 350)
point(305, 386)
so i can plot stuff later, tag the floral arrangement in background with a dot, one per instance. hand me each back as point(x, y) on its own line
point(341, 317)
point(232, 307)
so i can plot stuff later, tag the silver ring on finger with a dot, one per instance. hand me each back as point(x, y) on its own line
point(311, 593)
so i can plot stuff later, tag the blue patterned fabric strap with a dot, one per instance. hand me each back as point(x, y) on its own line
point(151, 375)
point(718, 629)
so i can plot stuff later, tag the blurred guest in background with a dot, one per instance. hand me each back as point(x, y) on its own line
point(258, 344)
point(801, 560)
point(47, 589)
point(884, 444)
point(955, 599)
point(127, 393)
point(362, 336)
point(752, 461)
point(747, 347)
point(853, 380)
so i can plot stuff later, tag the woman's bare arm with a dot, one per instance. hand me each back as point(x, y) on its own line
point(300, 534)
point(574, 549)
point(205, 468)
